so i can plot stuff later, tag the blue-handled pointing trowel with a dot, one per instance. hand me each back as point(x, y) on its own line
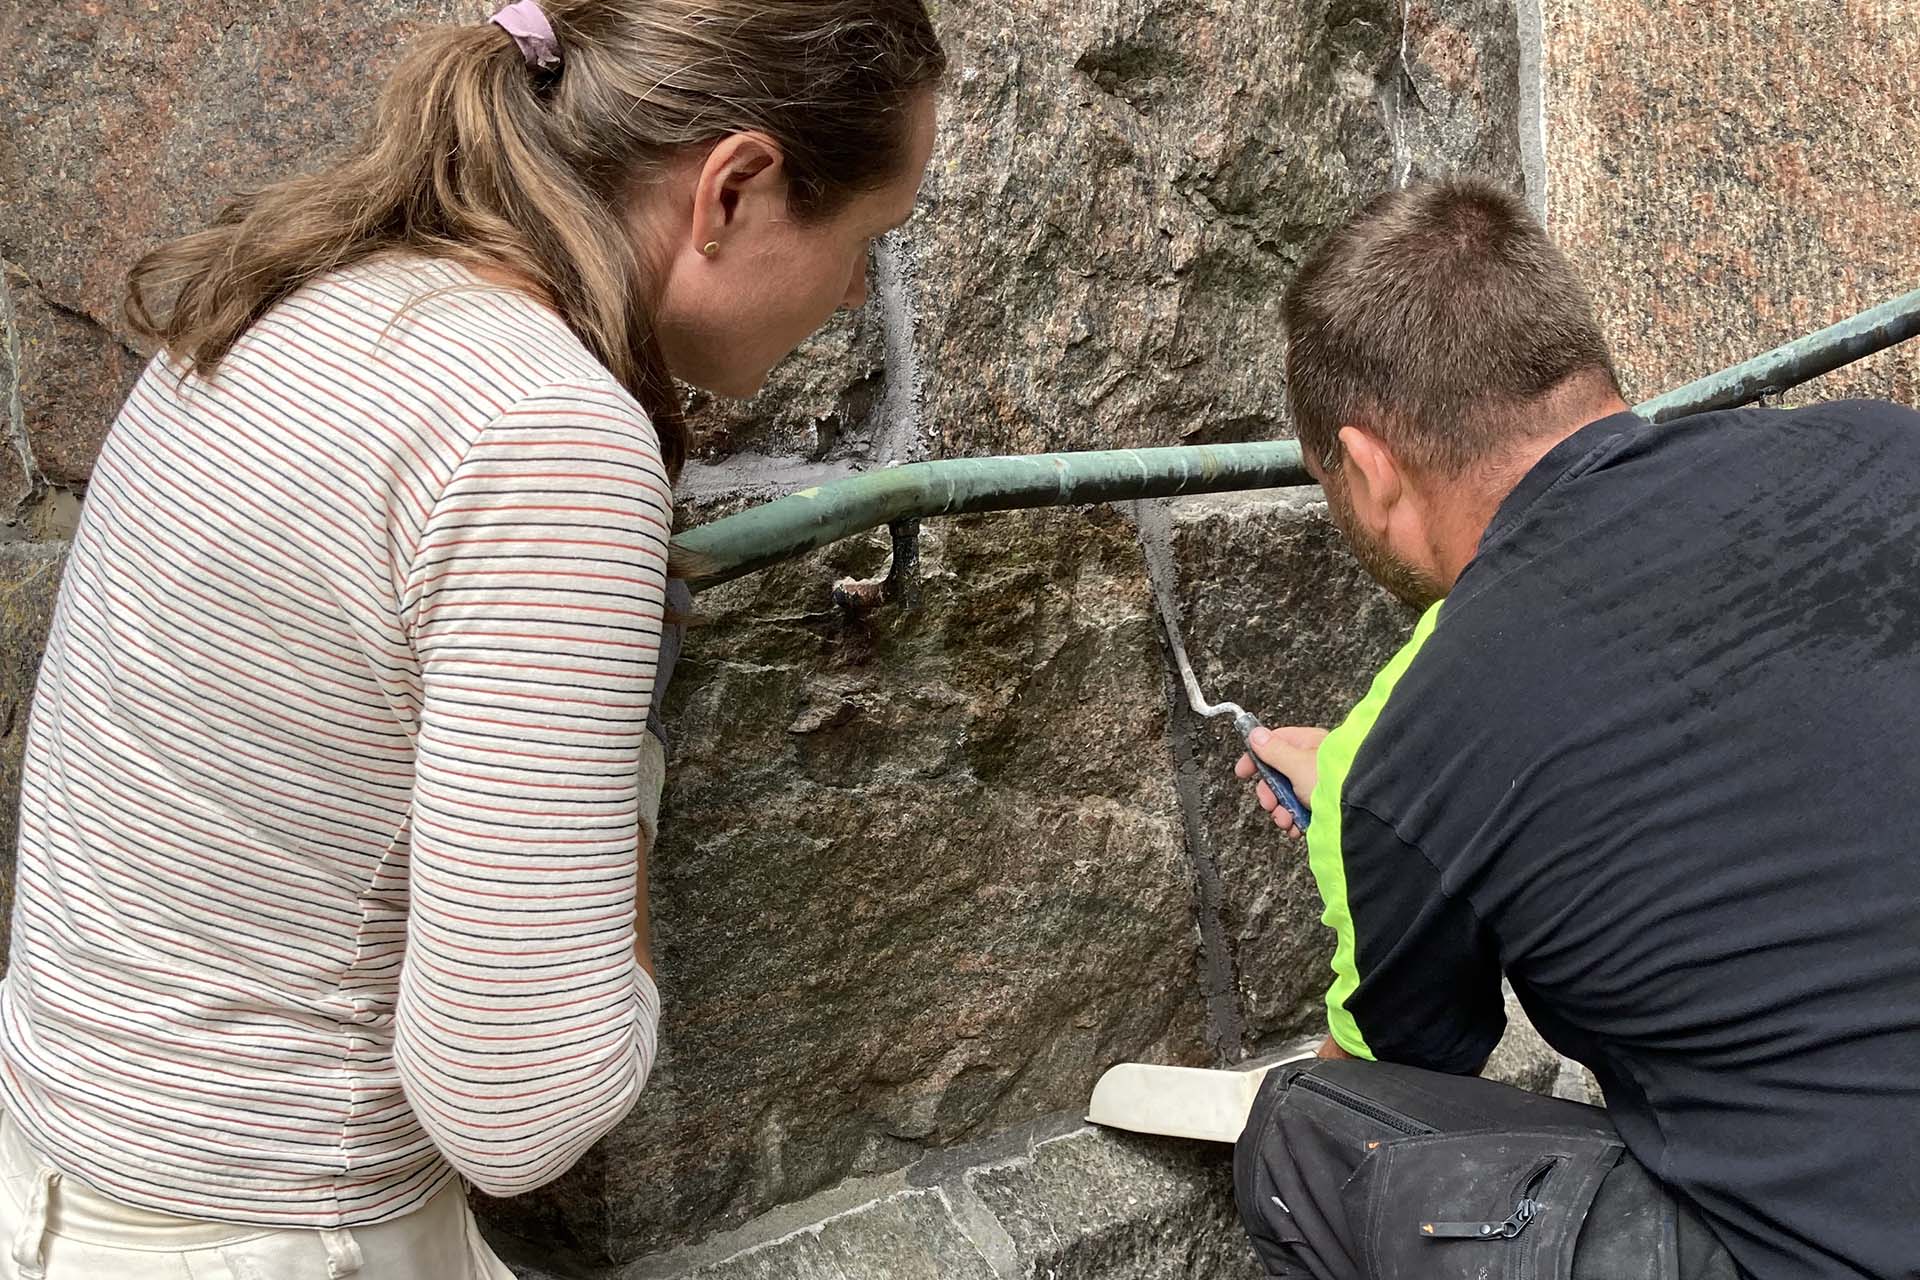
point(1245, 721)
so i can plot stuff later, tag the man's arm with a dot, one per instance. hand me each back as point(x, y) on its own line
point(1416, 973)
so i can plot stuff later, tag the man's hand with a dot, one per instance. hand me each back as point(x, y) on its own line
point(1295, 753)
point(1330, 1048)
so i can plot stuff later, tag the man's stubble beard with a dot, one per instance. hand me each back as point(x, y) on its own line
point(1408, 583)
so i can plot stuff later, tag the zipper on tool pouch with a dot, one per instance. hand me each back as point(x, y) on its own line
point(1363, 1106)
point(1524, 1211)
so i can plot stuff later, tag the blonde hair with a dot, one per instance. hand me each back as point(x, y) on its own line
point(476, 156)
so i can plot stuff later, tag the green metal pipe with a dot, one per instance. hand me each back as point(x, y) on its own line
point(764, 535)
point(1790, 365)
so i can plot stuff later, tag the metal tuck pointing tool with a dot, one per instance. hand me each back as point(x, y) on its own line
point(1245, 721)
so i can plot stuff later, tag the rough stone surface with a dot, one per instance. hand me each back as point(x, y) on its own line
point(128, 131)
point(1147, 171)
point(979, 801)
point(29, 583)
point(1728, 180)
point(919, 878)
point(1587, 1087)
point(70, 375)
point(1103, 1206)
point(827, 401)
point(1057, 1200)
point(1522, 1059)
point(909, 1236)
point(1455, 104)
point(1281, 619)
point(1150, 172)
point(119, 132)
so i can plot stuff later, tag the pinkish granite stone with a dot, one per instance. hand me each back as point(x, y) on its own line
point(132, 121)
point(1730, 178)
point(124, 124)
point(70, 375)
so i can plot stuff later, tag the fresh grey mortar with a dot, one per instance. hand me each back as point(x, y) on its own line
point(1226, 1027)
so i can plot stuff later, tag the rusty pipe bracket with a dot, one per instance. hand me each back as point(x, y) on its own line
point(900, 583)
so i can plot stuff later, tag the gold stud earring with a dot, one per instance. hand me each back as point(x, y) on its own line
point(712, 248)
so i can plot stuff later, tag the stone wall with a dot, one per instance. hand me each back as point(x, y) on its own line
point(1055, 1198)
point(1730, 177)
point(924, 876)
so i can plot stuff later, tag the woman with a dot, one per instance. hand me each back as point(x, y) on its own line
point(338, 790)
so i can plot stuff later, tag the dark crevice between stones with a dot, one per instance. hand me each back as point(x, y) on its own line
point(875, 421)
point(1226, 1021)
point(13, 426)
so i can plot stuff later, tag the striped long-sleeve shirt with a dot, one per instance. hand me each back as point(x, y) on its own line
point(326, 878)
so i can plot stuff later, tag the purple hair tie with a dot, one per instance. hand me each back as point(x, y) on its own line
point(527, 23)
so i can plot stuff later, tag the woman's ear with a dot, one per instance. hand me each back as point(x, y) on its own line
point(742, 180)
point(1375, 481)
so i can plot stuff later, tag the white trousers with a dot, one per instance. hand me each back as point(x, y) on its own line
point(56, 1228)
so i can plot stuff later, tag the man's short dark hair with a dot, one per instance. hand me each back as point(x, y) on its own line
point(1434, 317)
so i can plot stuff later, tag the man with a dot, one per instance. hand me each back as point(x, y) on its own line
point(1649, 753)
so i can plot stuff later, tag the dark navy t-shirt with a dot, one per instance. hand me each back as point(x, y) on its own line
point(1657, 758)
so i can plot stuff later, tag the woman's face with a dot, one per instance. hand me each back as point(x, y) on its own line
point(726, 317)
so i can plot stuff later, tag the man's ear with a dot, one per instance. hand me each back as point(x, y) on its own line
point(743, 178)
point(1375, 481)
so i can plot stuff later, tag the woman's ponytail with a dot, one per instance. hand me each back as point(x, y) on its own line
point(479, 156)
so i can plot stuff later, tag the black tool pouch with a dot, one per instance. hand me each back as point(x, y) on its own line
point(1488, 1205)
point(1351, 1171)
